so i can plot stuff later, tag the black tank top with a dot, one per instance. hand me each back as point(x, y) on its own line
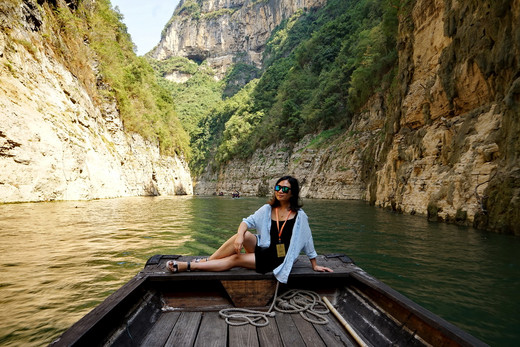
point(267, 258)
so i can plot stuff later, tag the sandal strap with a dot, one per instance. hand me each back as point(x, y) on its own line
point(189, 267)
point(174, 266)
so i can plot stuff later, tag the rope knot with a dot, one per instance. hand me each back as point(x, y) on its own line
point(303, 302)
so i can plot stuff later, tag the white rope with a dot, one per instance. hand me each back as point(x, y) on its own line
point(242, 316)
point(304, 302)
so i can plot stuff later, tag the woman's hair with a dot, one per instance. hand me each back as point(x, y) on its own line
point(294, 201)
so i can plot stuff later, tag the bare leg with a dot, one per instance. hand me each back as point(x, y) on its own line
point(245, 260)
point(228, 248)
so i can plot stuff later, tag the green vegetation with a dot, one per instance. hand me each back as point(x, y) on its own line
point(325, 137)
point(189, 9)
point(94, 32)
point(177, 64)
point(28, 46)
point(238, 76)
point(194, 98)
point(320, 68)
point(231, 119)
point(241, 123)
point(219, 13)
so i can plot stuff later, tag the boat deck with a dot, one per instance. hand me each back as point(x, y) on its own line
point(195, 328)
point(158, 308)
point(189, 314)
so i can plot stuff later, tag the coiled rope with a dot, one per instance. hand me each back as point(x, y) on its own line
point(305, 302)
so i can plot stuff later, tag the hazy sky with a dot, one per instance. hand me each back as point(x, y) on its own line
point(145, 20)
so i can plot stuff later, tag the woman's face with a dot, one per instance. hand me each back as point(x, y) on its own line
point(280, 195)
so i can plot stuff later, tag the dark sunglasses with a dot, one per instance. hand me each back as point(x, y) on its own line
point(285, 190)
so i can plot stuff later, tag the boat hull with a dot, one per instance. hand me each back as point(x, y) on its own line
point(159, 308)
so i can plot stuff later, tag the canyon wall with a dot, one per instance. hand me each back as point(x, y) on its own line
point(56, 142)
point(223, 32)
point(445, 145)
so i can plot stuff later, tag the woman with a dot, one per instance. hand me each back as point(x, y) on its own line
point(283, 232)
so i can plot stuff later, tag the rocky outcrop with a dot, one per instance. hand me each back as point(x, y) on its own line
point(453, 149)
point(56, 143)
point(445, 147)
point(223, 32)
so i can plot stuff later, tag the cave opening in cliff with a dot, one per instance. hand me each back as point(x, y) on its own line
point(197, 58)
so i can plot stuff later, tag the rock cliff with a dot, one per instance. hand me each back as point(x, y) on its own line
point(56, 142)
point(223, 32)
point(446, 146)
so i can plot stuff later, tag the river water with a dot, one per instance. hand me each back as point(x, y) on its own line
point(60, 259)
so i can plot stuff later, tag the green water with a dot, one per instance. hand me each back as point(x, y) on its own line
point(59, 260)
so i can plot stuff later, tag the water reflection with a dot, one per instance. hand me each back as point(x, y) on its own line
point(470, 278)
point(60, 259)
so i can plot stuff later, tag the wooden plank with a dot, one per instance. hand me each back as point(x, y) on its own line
point(137, 322)
point(185, 330)
point(244, 335)
point(288, 330)
point(212, 332)
point(250, 293)
point(269, 336)
point(157, 270)
point(371, 324)
point(307, 331)
point(333, 334)
point(159, 273)
point(161, 330)
point(201, 301)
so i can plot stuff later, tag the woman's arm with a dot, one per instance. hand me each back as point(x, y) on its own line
point(319, 268)
point(239, 240)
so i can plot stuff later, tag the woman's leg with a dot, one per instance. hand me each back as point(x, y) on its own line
point(245, 260)
point(228, 247)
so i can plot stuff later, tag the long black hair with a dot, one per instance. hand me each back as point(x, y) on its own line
point(294, 201)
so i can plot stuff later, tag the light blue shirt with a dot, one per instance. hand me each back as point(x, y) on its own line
point(301, 238)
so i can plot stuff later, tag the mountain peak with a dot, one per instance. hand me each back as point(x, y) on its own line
point(224, 32)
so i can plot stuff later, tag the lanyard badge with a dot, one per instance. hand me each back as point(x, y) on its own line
point(280, 250)
point(280, 247)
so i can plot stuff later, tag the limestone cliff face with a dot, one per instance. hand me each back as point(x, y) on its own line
point(447, 146)
point(225, 31)
point(454, 148)
point(56, 143)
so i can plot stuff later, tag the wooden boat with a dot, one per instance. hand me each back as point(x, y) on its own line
point(157, 308)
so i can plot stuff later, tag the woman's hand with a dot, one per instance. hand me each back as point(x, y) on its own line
point(239, 242)
point(319, 268)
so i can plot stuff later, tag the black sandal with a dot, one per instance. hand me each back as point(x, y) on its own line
point(175, 265)
point(172, 264)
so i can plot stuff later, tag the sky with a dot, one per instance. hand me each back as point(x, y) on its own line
point(145, 20)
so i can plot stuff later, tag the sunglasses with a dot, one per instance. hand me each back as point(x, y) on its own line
point(285, 190)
